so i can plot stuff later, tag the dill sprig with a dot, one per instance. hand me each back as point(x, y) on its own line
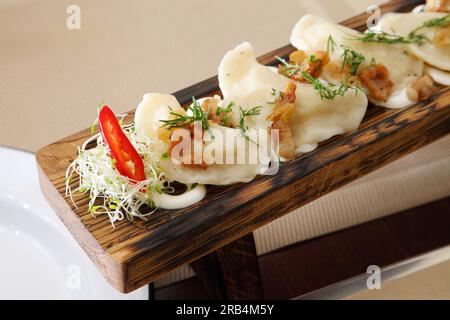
point(180, 120)
point(290, 69)
point(312, 58)
point(224, 111)
point(434, 23)
point(227, 109)
point(412, 38)
point(352, 58)
point(277, 94)
point(387, 38)
point(331, 44)
point(329, 91)
point(247, 113)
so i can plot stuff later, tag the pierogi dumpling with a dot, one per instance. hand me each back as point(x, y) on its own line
point(438, 75)
point(435, 52)
point(248, 83)
point(317, 120)
point(312, 33)
point(155, 107)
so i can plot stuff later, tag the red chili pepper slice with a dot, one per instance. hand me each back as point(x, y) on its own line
point(127, 159)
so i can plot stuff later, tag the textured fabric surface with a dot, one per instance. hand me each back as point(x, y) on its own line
point(52, 78)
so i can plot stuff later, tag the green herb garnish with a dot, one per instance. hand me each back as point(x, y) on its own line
point(412, 38)
point(435, 23)
point(331, 44)
point(329, 91)
point(352, 58)
point(277, 94)
point(193, 186)
point(290, 69)
point(387, 38)
point(198, 114)
point(224, 112)
point(247, 113)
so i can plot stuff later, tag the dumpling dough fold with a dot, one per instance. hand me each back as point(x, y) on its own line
point(155, 107)
point(435, 55)
point(312, 33)
point(248, 83)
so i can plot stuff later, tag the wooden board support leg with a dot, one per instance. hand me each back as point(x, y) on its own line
point(231, 272)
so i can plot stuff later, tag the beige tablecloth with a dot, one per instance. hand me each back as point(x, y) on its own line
point(52, 78)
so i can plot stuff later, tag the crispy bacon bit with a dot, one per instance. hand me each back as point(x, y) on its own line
point(438, 5)
point(312, 63)
point(216, 115)
point(283, 110)
point(297, 57)
point(342, 73)
point(284, 104)
point(287, 144)
point(422, 89)
point(442, 36)
point(315, 63)
point(164, 134)
point(376, 80)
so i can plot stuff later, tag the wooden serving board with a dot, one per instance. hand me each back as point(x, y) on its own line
point(137, 253)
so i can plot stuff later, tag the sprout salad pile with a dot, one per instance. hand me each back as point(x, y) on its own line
point(110, 192)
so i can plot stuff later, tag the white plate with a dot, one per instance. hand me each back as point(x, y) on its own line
point(39, 259)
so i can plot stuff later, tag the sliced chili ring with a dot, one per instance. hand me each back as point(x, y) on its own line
point(127, 160)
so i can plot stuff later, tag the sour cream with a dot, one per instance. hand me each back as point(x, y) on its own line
point(186, 199)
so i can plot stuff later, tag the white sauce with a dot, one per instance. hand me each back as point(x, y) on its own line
point(186, 199)
point(419, 9)
point(398, 100)
point(305, 148)
point(439, 76)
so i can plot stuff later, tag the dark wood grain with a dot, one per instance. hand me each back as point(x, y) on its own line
point(208, 271)
point(136, 253)
point(232, 272)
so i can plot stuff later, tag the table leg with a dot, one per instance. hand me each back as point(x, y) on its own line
point(151, 291)
point(231, 272)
